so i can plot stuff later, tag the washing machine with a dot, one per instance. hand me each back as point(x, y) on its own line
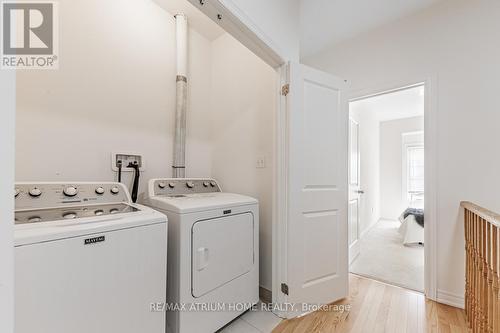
point(87, 260)
point(213, 252)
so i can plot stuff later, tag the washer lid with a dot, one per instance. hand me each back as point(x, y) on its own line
point(44, 231)
point(199, 202)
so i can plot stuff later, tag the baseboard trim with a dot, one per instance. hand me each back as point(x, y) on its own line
point(370, 227)
point(265, 295)
point(451, 299)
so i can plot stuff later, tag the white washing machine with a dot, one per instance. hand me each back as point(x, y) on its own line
point(87, 260)
point(213, 252)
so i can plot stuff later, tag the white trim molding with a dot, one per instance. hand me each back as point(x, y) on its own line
point(363, 233)
point(7, 149)
point(451, 299)
point(234, 21)
point(431, 156)
point(280, 199)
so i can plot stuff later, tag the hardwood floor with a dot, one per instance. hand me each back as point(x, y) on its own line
point(376, 307)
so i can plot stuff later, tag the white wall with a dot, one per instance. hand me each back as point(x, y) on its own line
point(114, 91)
point(243, 109)
point(457, 42)
point(7, 126)
point(369, 146)
point(392, 202)
point(277, 21)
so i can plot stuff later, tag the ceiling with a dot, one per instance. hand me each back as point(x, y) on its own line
point(401, 104)
point(325, 23)
point(197, 20)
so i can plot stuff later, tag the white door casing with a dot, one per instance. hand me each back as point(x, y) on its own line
point(316, 244)
point(354, 190)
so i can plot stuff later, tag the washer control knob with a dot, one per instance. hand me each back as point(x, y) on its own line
point(115, 190)
point(171, 185)
point(206, 184)
point(162, 185)
point(70, 191)
point(16, 192)
point(69, 215)
point(213, 184)
point(190, 184)
point(34, 219)
point(99, 190)
point(35, 192)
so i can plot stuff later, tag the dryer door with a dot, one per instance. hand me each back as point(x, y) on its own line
point(222, 251)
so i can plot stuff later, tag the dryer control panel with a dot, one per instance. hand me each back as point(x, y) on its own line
point(183, 186)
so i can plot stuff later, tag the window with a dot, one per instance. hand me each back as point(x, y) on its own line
point(415, 173)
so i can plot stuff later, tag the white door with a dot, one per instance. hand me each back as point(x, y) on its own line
point(354, 190)
point(213, 265)
point(317, 250)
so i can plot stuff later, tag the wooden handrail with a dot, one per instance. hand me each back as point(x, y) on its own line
point(482, 297)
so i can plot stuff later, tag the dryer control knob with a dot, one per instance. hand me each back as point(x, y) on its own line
point(99, 190)
point(190, 184)
point(70, 191)
point(206, 184)
point(171, 185)
point(115, 190)
point(16, 192)
point(213, 184)
point(162, 185)
point(35, 192)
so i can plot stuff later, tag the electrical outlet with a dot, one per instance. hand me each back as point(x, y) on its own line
point(261, 162)
point(127, 158)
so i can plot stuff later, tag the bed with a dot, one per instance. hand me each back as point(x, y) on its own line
point(412, 226)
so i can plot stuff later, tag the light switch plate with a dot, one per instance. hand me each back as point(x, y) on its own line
point(126, 158)
point(261, 162)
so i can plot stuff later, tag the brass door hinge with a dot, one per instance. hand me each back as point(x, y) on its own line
point(284, 288)
point(285, 89)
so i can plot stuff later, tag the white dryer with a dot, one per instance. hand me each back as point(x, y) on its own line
point(213, 252)
point(87, 259)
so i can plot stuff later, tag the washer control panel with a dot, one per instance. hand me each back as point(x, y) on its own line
point(50, 195)
point(183, 186)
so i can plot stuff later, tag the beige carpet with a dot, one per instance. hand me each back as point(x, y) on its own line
point(383, 257)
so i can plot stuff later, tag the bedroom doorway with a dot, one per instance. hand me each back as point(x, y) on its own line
point(386, 187)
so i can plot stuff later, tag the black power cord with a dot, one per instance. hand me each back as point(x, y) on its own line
point(119, 165)
point(135, 185)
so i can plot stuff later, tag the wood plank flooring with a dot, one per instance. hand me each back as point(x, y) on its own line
point(380, 308)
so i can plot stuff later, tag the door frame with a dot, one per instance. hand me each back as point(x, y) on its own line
point(7, 148)
point(355, 246)
point(430, 84)
point(235, 22)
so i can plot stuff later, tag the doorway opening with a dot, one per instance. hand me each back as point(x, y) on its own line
point(386, 187)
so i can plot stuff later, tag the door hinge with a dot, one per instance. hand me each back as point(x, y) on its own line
point(285, 89)
point(284, 288)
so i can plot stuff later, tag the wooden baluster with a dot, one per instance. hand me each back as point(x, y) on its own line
point(489, 259)
point(473, 283)
point(467, 262)
point(496, 281)
point(477, 275)
point(470, 269)
point(484, 279)
point(476, 270)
